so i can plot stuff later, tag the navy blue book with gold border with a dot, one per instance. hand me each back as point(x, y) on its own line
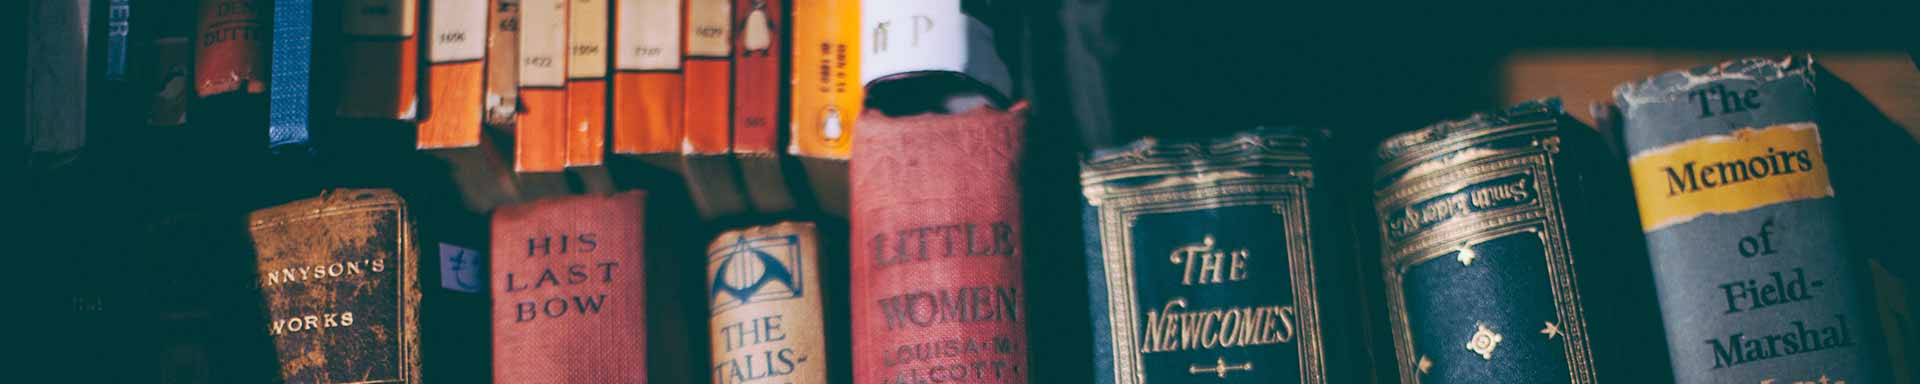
point(1208, 262)
point(1509, 254)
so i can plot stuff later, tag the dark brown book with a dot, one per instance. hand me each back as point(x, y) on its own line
point(338, 274)
point(569, 297)
point(382, 60)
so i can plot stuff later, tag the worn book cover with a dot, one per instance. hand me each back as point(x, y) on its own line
point(569, 293)
point(381, 60)
point(766, 322)
point(1508, 254)
point(1220, 260)
point(503, 63)
point(540, 136)
point(647, 83)
point(338, 274)
point(1757, 279)
point(937, 258)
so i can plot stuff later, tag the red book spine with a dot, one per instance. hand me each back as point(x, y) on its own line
point(756, 75)
point(937, 256)
point(569, 302)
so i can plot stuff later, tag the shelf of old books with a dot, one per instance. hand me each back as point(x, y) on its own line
point(965, 191)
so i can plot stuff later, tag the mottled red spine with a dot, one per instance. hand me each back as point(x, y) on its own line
point(569, 301)
point(937, 292)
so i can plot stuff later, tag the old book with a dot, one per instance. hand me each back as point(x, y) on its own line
point(1508, 255)
point(290, 63)
point(451, 127)
point(339, 277)
point(230, 53)
point(948, 182)
point(540, 136)
point(569, 297)
point(56, 81)
point(119, 30)
point(647, 83)
point(760, 49)
point(503, 63)
point(766, 322)
point(586, 82)
point(708, 70)
point(381, 60)
point(1749, 251)
point(826, 95)
point(1242, 226)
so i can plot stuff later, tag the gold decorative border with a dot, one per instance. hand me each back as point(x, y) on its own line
point(1120, 207)
point(1545, 218)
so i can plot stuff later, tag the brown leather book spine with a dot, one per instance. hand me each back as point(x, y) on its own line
point(586, 82)
point(503, 63)
point(937, 256)
point(759, 49)
point(339, 277)
point(569, 300)
point(382, 60)
point(766, 323)
point(709, 76)
point(231, 48)
point(647, 85)
point(540, 143)
point(456, 71)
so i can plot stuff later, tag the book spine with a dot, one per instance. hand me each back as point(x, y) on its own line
point(1756, 282)
point(383, 54)
point(287, 93)
point(456, 72)
point(503, 62)
point(168, 104)
point(56, 120)
point(569, 300)
point(1476, 251)
point(911, 36)
point(760, 47)
point(647, 84)
point(1160, 260)
point(766, 320)
point(228, 50)
point(339, 277)
point(586, 82)
point(937, 259)
point(826, 95)
point(709, 74)
point(119, 13)
point(540, 143)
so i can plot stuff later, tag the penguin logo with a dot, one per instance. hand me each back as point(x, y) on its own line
point(756, 33)
point(830, 124)
point(754, 270)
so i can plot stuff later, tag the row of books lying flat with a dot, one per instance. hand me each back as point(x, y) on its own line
point(1514, 246)
point(716, 89)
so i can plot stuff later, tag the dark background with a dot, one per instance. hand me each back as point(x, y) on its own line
point(138, 243)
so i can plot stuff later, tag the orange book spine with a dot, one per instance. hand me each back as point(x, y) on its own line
point(756, 75)
point(503, 63)
point(647, 85)
point(827, 95)
point(456, 74)
point(586, 82)
point(382, 60)
point(709, 76)
point(540, 143)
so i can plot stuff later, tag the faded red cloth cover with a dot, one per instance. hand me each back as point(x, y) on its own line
point(936, 292)
point(569, 301)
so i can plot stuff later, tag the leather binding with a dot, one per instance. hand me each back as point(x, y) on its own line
point(451, 127)
point(569, 297)
point(759, 48)
point(766, 319)
point(287, 92)
point(229, 54)
point(950, 182)
point(382, 50)
point(503, 64)
point(1508, 256)
point(826, 95)
point(586, 82)
point(540, 143)
point(712, 175)
point(648, 87)
point(1242, 225)
point(1759, 278)
point(339, 277)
